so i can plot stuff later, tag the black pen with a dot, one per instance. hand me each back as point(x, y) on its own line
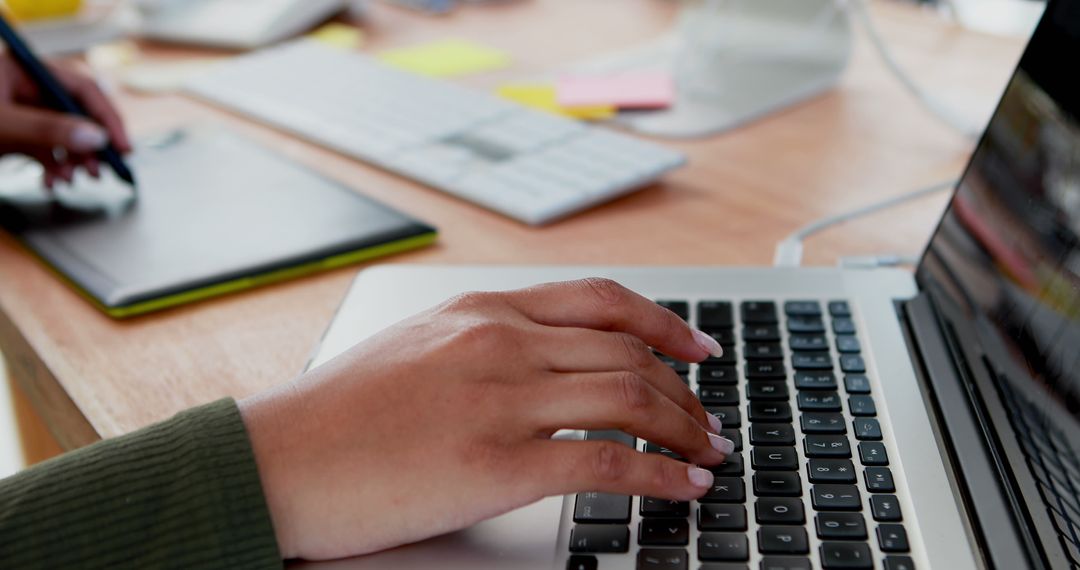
point(56, 96)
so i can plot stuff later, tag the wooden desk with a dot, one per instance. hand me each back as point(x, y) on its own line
point(90, 377)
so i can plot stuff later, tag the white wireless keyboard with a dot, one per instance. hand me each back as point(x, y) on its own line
point(526, 164)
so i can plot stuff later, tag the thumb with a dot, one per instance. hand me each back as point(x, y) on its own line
point(42, 128)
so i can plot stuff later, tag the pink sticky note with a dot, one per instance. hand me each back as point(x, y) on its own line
point(628, 90)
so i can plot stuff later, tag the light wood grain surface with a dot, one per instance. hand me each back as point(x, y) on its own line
point(91, 377)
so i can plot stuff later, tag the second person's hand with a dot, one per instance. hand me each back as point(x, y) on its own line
point(446, 419)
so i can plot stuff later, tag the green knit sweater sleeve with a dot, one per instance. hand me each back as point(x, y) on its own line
point(184, 493)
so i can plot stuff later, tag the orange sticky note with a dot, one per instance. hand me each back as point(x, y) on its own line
point(625, 90)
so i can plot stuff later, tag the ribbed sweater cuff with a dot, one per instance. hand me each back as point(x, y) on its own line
point(184, 493)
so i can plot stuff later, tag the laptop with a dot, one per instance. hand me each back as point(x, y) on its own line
point(883, 419)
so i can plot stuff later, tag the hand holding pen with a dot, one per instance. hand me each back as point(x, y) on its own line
point(34, 123)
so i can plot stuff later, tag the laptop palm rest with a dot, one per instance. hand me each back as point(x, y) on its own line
point(523, 539)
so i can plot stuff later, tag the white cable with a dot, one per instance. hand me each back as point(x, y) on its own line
point(789, 252)
point(934, 105)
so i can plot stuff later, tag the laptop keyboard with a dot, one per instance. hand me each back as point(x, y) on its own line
point(809, 486)
point(1052, 461)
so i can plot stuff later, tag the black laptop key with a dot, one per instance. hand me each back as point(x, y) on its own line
point(900, 563)
point(732, 467)
point(819, 401)
point(885, 508)
point(811, 361)
point(779, 510)
point(758, 312)
point(721, 375)
point(664, 532)
point(766, 370)
point(593, 507)
point(730, 357)
point(830, 471)
point(663, 559)
point(734, 436)
point(728, 415)
point(835, 498)
point(846, 556)
point(723, 546)
point(657, 507)
point(857, 384)
point(867, 429)
point(879, 480)
point(802, 309)
point(612, 435)
point(777, 484)
point(774, 459)
point(721, 516)
point(725, 490)
point(770, 412)
point(719, 395)
point(581, 562)
point(681, 308)
point(843, 325)
point(832, 446)
point(767, 391)
point(892, 538)
point(804, 342)
point(715, 315)
point(848, 344)
point(764, 351)
point(815, 380)
point(818, 422)
point(840, 526)
point(725, 337)
point(805, 325)
point(783, 540)
point(852, 363)
point(839, 309)
point(785, 563)
point(772, 434)
point(761, 333)
point(599, 538)
point(723, 566)
point(873, 453)
point(862, 406)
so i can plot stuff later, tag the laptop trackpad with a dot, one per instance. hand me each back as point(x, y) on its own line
point(522, 539)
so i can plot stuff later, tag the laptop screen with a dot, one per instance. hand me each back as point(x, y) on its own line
point(1006, 258)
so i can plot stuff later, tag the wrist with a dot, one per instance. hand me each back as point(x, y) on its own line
point(263, 416)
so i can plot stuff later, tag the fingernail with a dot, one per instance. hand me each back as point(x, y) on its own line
point(700, 477)
point(714, 422)
point(87, 138)
point(708, 344)
point(722, 444)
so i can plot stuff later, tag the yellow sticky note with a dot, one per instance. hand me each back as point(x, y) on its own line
point(338, 35)
point(544, 98)
point(447, 58)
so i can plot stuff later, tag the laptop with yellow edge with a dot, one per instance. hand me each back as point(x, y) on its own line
point(216, 214)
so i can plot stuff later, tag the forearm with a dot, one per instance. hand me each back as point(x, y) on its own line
point(182, 493)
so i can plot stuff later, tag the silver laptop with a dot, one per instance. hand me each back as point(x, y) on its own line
point(884, 420)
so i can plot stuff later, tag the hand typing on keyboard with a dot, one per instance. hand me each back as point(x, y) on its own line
point(447, 418)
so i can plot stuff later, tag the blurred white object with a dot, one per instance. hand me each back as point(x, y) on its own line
point(1002, 17)
point(236, 24)
point(98, 22)
point(735, 61)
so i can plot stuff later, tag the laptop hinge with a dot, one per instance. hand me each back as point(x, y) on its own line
point(967, 447)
